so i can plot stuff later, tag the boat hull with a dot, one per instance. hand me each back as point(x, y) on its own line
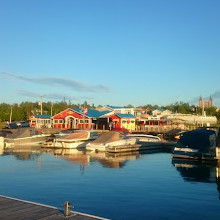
point(188, 153)
point(70, 145)
point(111, 145)
point(33, 140)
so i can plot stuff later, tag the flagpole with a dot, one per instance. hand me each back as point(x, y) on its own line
point(41, 108)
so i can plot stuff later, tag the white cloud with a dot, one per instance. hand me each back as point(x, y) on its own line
point(68, 83)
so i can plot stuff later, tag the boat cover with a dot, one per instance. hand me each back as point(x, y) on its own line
point(197, 139)
point(108, 137)
point(75, 136)
point(22, 133)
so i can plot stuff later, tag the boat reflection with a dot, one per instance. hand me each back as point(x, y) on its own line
point(113, 160)
point(72, 155)
point(194, 171)
point(1, 149)
point(25, 152)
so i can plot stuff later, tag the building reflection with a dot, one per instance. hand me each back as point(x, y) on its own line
point(198, 171)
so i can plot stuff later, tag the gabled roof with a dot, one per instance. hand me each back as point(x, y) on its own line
point(42, 116)
point(125, 115)
point(91, 113)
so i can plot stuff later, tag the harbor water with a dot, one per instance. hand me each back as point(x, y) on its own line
point(147, 185)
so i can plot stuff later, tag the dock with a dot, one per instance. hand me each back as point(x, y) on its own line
point(16, 209)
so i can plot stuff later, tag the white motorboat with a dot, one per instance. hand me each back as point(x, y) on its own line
point(145, 137)
point(147, 142)
point(77, 139)
point(25, 136)
point(64, 133)
point(111, 139)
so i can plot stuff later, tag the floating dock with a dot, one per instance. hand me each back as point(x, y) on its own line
point(16, 209)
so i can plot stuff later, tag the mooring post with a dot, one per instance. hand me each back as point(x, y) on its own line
point(67, 209)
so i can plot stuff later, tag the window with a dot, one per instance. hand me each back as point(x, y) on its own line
point(81, 121)
point(123, 121)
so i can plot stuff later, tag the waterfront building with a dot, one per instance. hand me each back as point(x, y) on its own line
point(193, 119)
point(120, 110)
point(77, 119)
point(40, 121)
point(119, 120)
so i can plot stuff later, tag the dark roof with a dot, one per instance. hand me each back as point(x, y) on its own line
point(42, 116)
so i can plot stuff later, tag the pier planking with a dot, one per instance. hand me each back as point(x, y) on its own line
point(15, 209)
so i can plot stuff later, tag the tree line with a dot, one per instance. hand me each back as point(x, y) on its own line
point(22, 111)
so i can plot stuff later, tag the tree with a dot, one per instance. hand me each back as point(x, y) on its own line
point(129, 106)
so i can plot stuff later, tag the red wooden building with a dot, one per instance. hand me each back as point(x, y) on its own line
point(76, 119)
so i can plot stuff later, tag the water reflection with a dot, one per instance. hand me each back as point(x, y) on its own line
point(114, 160)
point(76, 156)
point(198, 171)
point(23, 152)
point(72, 155)
point(1, 149)
point(84, 158)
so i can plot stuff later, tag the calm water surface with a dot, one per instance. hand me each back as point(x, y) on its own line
point(137, 186)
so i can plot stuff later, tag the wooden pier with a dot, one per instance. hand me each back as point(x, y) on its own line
point(16, 209)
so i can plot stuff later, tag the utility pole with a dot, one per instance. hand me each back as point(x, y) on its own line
point(41, 108)
point(51, 110)
point(10, 116)
point(41, 104)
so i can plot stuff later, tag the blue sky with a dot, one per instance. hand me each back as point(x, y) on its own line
point(115, 52)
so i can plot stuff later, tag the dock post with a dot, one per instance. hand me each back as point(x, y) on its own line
point(67, 209)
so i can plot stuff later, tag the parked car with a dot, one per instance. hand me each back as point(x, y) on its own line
point(11, 125)
point(24, 124)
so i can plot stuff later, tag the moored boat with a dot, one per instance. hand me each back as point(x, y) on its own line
point(145, 137)
point(77, 139)
point(25, 136)
point(197, 144)
point(64, 133)
point(110, 140)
